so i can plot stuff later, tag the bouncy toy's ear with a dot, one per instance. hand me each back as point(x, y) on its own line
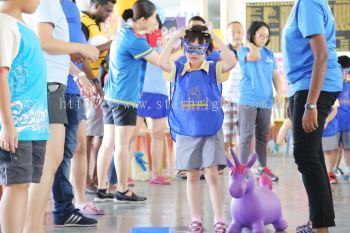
point(252, 160)
point(229, 164)
point(235, 158)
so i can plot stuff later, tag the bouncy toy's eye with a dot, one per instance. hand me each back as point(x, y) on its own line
point(246, 178)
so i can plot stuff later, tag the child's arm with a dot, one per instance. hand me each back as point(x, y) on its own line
point(282, 133)
point(8, 133)
point(331, 115)
point(277, 82)
point(164, 59)
point(254, 52)
point(229, 58)
point(54, 46)
point(152, 58)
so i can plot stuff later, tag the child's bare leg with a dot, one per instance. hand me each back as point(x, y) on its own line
point(13, 208)
point(330, 159)
point(212, 178)
point(193, 194)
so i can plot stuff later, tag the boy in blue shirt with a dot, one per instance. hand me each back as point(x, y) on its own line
point(24, 126)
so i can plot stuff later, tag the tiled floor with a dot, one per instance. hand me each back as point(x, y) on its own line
point(167, 205)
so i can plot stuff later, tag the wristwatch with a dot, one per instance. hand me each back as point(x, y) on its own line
point(78, 76)
point(310, 106)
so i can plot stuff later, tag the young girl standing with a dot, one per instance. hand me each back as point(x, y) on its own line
point(129, 55)
point(196, 101)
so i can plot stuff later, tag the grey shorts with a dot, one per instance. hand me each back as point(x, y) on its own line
point(330, 143)
point(200, 152)
point(94, 119)
point(56, 103)
point(344, 139)
point(25, 165)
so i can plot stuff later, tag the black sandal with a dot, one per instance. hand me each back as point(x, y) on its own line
point(122, 197)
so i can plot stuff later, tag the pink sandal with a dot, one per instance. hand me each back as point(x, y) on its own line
point(90, 209)
point(220, 227)
point(195, 227)
point(161, 180)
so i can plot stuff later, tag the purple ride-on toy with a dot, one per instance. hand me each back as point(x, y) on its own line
point(252, 207)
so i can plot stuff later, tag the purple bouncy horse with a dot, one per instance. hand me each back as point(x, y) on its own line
point(252, 207)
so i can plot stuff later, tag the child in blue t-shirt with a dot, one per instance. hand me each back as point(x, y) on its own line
point(344, 119)
point(196, 117)
point(24, 126)
point(330, 142)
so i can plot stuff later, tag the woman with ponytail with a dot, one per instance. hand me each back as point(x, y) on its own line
point(129, 55)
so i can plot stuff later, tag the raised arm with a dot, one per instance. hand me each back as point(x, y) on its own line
point(229, 58)
point(164, 59)
point(254, 52)
point(152, 58)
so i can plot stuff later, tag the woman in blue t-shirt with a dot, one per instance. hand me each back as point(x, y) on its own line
point(128, 57)
point(259, 75)
point(315, 80)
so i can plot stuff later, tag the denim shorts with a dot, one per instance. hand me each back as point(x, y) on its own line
point(25, 165)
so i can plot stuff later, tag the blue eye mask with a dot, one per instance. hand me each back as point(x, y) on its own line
point(195, 49)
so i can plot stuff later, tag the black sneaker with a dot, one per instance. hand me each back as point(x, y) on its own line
point(120, 197)
point(103, 196)
point(73, 219)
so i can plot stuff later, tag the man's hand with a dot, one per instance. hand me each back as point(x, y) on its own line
point(98, 94)
point(86, 88)
point(77, 57)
